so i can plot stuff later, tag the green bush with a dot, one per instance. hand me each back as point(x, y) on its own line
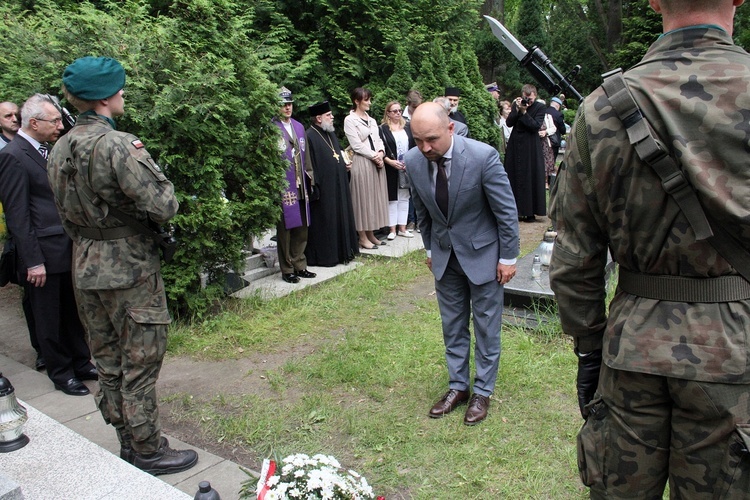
point(196, 97)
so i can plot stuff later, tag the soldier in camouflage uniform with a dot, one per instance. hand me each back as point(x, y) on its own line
point(671, 400)
point(116, 275)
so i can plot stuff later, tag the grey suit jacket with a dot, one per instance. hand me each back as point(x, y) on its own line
point(482, 222)
point(30, 211)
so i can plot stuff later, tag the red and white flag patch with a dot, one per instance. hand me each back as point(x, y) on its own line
point(137, 144)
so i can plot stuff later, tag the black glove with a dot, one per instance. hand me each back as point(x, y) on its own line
point(589, 365)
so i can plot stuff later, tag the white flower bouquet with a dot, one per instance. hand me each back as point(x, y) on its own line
point(317, 477)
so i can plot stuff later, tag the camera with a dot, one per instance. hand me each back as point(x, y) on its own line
point(525, 101)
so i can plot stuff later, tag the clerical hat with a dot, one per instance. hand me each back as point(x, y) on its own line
point(452, 91)
point(319, 109)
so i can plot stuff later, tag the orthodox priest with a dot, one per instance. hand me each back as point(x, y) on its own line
point(332, 237)
point(291, 231)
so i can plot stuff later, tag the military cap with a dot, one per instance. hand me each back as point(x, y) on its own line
point(286, 95)
point(491, 87)
point(319, 109)
point(92, 78)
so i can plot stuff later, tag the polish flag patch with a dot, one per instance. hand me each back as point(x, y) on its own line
point(137, 144)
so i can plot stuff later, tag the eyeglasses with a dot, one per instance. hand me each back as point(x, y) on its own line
point(394, 111)
point(56, 121)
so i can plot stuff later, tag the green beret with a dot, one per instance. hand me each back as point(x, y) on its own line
point(93, 78)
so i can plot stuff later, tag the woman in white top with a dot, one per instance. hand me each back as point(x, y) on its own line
point(397, 139)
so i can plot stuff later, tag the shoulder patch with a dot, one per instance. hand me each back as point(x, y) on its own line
point(137, 144)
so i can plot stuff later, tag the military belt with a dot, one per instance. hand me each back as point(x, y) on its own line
point(105, 233)
point(684, 289)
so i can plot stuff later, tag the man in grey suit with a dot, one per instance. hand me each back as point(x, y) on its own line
point(43, 248)
point(467, 214)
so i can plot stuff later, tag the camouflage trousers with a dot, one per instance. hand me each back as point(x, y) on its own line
point(645, 430)
point(128, 338)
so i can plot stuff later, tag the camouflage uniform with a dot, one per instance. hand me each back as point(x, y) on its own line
point(118, 285)
point(673, 400)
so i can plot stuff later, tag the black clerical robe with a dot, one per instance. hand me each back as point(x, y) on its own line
point(524, 161)
point(332, 237)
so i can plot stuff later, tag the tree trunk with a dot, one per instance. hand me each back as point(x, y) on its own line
point(494, 8)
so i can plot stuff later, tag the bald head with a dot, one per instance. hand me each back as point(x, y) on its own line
point(9, 122)
point(430, 111)
point(432, 130)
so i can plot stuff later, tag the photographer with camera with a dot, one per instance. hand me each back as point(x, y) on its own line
point(98, 173)
point(524, 160)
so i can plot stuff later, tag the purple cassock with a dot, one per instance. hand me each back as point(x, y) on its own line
point(290, 198)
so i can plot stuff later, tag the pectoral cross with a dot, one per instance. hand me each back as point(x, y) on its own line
point(336, 156)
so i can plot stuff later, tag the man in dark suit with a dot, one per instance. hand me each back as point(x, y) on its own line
point(467, 215)
point(43, 247)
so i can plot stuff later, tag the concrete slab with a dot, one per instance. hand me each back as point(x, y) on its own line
point(398, 247)
point(29, 384)
point(59, 463)
point(273, 286)
point(9, 367)
point(9, 489)
point(225, 477)
point(92, 426)
point(62, 407)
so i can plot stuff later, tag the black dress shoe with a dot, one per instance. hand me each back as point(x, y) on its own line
point(306, 274)
point(290, 278)
point(73, 387)
point(90, 374)
point(448, 403)
point(39, 364)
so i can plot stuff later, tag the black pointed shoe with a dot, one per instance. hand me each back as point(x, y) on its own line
point(73, 387)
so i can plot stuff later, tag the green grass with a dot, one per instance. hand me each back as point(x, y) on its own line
point(362, 393)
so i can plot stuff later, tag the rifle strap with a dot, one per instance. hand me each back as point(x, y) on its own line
point(652, 152)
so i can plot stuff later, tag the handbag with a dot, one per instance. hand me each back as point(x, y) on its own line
point(8, 269)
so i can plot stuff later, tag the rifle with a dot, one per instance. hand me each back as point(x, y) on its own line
point(67, 119)
point(539, 65)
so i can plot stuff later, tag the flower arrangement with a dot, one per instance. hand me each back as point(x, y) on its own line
point(317, 477)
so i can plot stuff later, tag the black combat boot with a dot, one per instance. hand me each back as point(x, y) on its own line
point(127, 453)
point(165, 461)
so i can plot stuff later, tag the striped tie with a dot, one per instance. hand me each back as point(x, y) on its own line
point(44, 150)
